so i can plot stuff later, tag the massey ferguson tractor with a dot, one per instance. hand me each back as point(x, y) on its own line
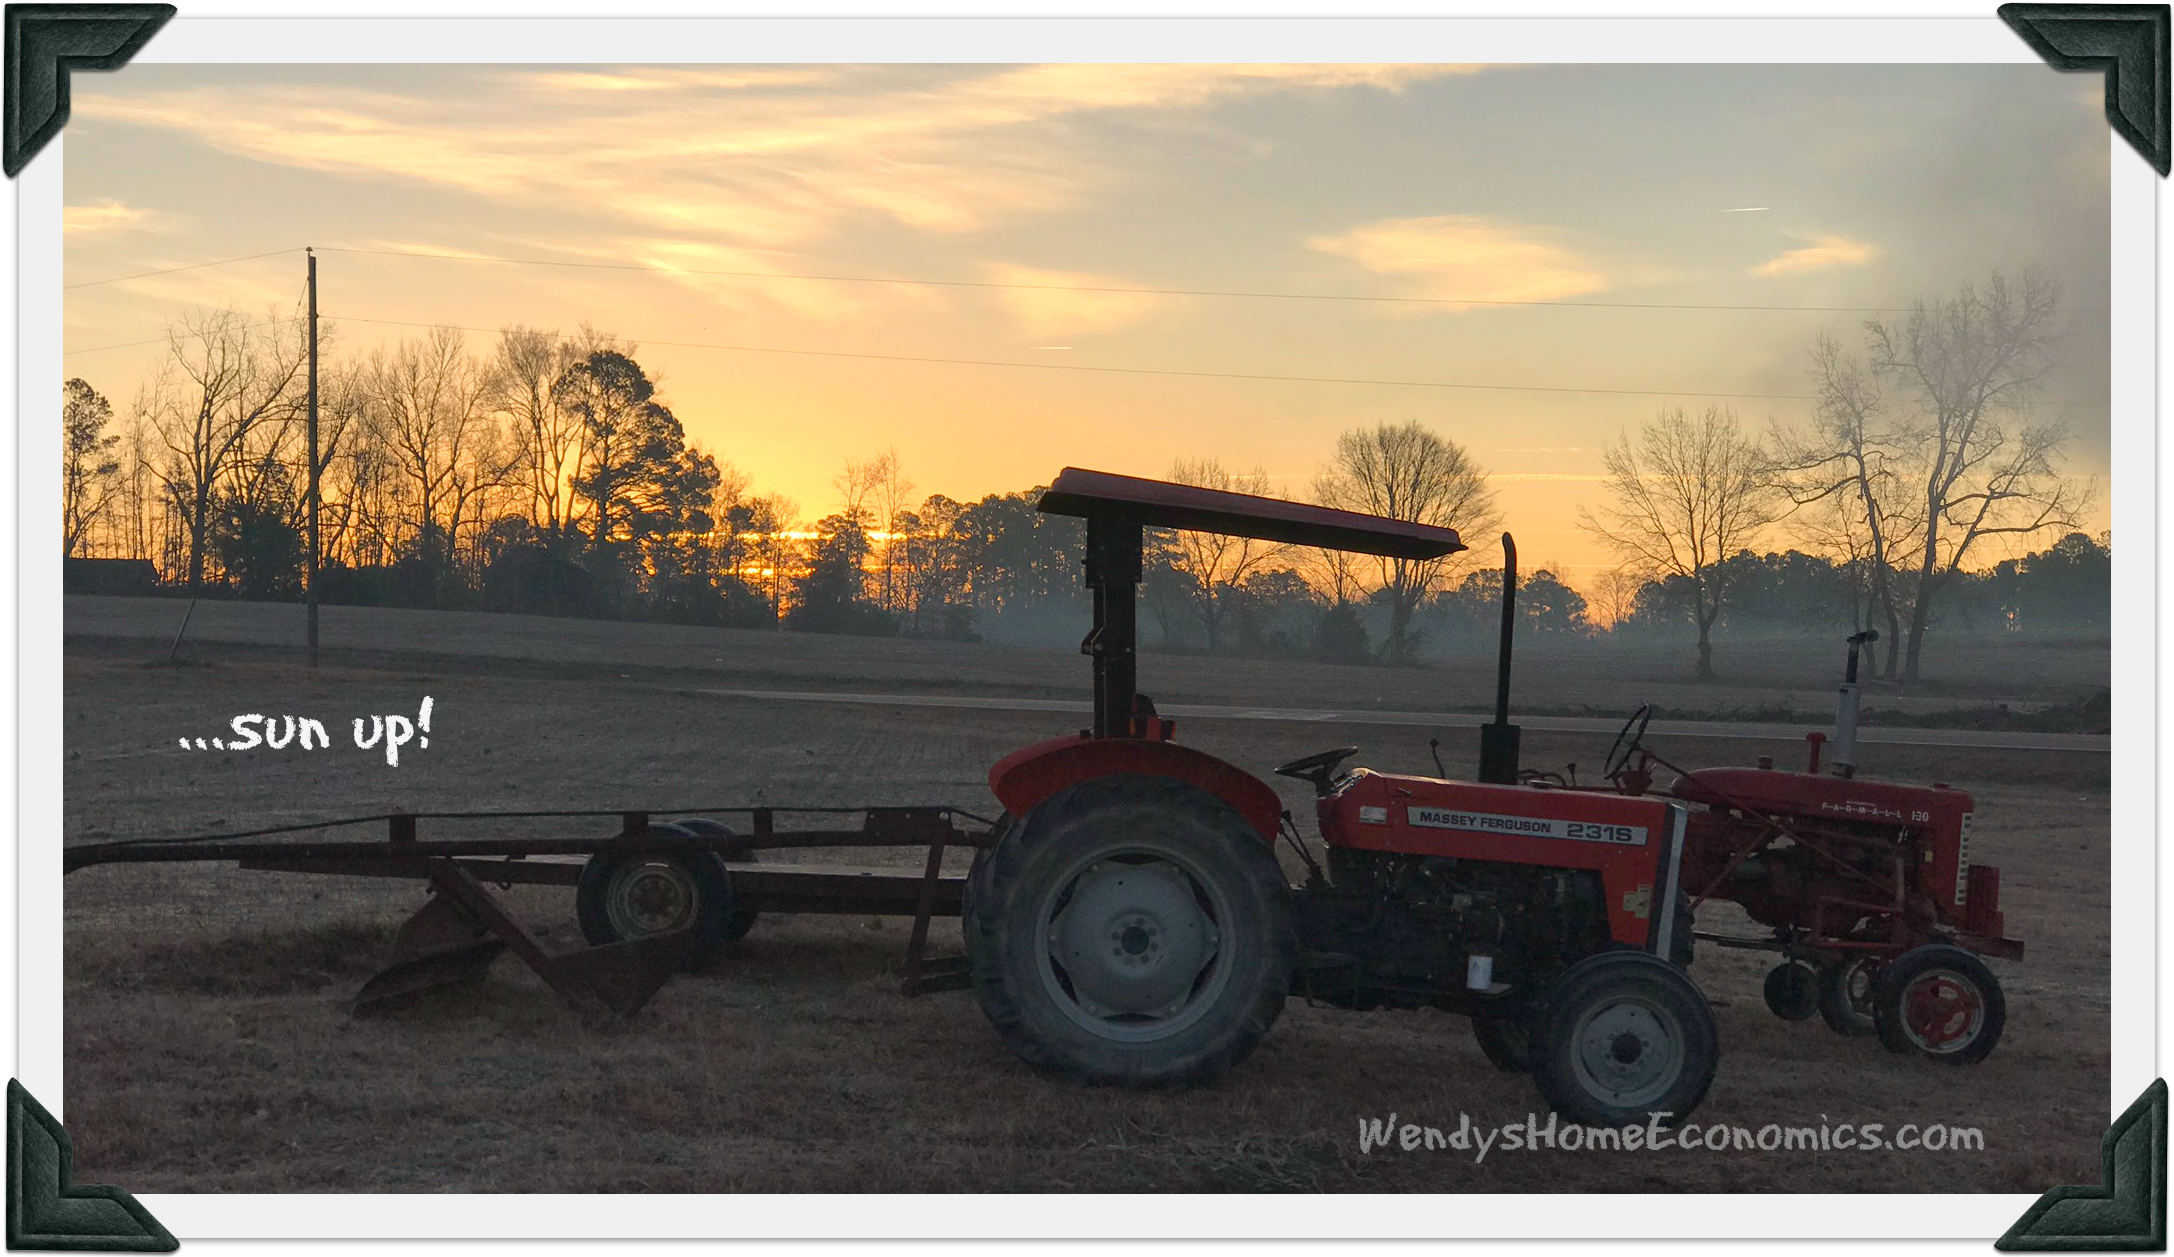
point(1127, 920)
point(1131, 924)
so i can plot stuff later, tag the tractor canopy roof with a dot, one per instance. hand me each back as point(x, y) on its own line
point(1160, 504)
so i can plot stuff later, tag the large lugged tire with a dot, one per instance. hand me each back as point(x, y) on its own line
point(1505, 1038)
point(741, 921)
point(1942, 1002)
point(1131, 930)
point(1625, 1037)
point(622, 897)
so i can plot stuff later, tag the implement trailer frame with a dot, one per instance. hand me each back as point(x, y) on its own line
point(463, 927)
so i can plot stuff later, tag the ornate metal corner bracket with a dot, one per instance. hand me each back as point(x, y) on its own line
point(45, 43)
point(2128, 42)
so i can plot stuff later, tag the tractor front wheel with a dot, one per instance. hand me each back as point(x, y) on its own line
point(1939, 1001)
point(1131, 930)
point(1792, 991)
point(1626, 1037)
point(1845, 995)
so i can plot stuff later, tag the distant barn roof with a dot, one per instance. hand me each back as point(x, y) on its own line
point(1160, 504)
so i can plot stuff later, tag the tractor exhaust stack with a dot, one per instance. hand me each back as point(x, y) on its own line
point(1845, 716)
point(1498, 741)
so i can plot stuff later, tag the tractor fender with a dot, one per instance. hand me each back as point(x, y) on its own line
point(1031, 774)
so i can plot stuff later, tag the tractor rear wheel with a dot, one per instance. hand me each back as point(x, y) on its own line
point(1845, 995)
point(622, 897)
point(1505, 1039)
point(1940, 1001)
point(1625, 1037)
point(1131, 930)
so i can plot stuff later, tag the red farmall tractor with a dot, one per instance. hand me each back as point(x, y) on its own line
point(1865, 888)
point(1130, 924)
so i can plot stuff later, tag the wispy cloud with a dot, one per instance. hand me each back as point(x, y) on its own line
point(109, 218)
point(1456, 256)
point(1061, 307)
point(1824, 253)
point(744, 156)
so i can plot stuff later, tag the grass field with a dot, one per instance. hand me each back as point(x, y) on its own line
point(209, 1046)
point(1758, 676)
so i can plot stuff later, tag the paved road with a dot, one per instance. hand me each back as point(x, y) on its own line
point(1969, 738)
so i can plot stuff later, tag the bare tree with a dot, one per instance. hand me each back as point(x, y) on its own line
point(856, 485)
point(1216, 562)
point(548, 438)
point(1980, 465)
point(891, 494)
point(90, 468)
point(1841, 475)
point(222, 379)
point(772, 520)
point(1685, 497)
point(429, 407)
point(1614, 596)
point(1406, 472)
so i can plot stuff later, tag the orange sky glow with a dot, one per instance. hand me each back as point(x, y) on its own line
point(1003, 270)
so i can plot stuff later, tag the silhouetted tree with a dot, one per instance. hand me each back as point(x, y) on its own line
point(89, 466)
point(1686, 496)
point(1406, 472)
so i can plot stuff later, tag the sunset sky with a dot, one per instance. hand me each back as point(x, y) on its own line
point(1640, 186)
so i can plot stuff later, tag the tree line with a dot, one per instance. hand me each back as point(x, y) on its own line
point(548, 474)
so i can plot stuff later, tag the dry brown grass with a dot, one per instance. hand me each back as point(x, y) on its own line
point(209, 1046)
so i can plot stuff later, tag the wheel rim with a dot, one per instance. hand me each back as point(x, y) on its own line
point(1942, 1011)
point(1856, 982)
point(1133, 946)
point(1628, 1052)
point(650, 897)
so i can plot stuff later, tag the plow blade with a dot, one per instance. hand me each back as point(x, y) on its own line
point(455, 936)
point(404, 980)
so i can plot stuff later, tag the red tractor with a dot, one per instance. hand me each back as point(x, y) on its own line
point(1866, 889)
point(1132, 925)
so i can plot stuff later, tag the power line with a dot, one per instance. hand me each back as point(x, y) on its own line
point(160, 340)
point(194, 266)
point(1111, 288)
point(1160, 371)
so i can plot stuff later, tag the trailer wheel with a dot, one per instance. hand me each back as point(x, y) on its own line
point(1505, 1039)
point(1792, 991)
point(1625, 1037)
point(621, 897)
point(1131, 930)
point(702, 826)
point(1845, 995)
point(1940, 1001)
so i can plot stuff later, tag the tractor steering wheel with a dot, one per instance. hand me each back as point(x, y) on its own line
point(1626, 742)
point(1316, 768)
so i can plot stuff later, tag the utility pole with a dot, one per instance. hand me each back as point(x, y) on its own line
point(309, 593)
